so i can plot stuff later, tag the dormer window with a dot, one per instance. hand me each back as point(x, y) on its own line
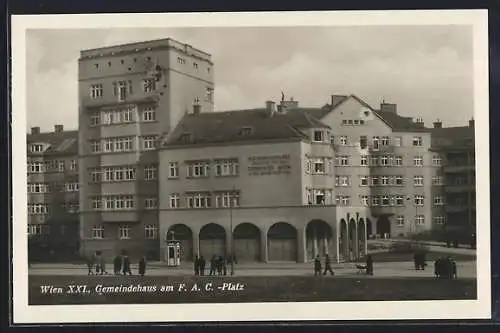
point(185, 137)
point(246, 131)
point(319, 136)
point(37, 148)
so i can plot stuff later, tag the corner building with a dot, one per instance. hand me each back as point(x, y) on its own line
point(130, 97)
point(243, 179)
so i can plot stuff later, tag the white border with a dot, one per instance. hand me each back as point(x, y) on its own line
point(480, 308)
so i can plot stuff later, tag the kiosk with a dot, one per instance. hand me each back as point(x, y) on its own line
point(172, 252)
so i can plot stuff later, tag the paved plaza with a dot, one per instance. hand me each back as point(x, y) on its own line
point(466, 269)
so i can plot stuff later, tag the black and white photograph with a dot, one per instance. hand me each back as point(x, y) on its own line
point(251, 166)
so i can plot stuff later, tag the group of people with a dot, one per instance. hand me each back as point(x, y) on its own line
point(318, 268)
point(96, 265)
point(445, 268)
point(218, 265)
point(419, 261)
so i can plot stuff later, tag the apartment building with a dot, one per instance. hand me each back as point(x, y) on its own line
point(456, 147)
point(52, 189)
point(131, 96)
point(259, 181)
point(383, 162)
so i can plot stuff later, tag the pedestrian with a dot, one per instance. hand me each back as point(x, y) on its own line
point(142, 266)
point(415, 261)
point(219, 265)
point(213, 264)
point(117, 264)
point(202, 266)
point(126, 265)
point(454, 269)
point(90, 264)
point(103, 265)
point(317, 266)
point(196, 266)
point(328, 266)
point(97, 260)
point(224, 265)
point(369, 265)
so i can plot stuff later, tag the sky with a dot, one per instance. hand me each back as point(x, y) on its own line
point(426, 70)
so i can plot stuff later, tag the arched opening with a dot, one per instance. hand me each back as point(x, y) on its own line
point(247, 242)
point(282, 242)
point(212, 241)
point(184, 235)
point(318, 239)
point(369, 229)
point(362, 238)
point(384, 226)
point(343, 240)
point(353, 241)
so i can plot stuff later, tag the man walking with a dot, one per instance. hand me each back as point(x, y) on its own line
point(317, 266)
point(328, 267)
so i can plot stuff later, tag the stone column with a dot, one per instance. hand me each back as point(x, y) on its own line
point(355, 238)
point(196, 244)
point(229, 243)
point(301, 245)
point(366, 238)
point(315, 246)
point(263, 246)
point(325, 241)
point(346, 240)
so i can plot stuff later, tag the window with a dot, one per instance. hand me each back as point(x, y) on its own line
point(71, 187)
point(173, 170)
point(375, 181)
point(418, 161)
point(343, 200)
point(343, 140)
point(36, 148)
point(224, 199)
point(319, 166)
point(35, 229)
point(97, 231)
point(224, 168)
point(364, 160)
point(198, 200)
point(418, 180)
point(123, 90)
point(436, 160)
point(419, 200)
point(363, 181)
point(150, 203)
point(245, 131)
point(398, 200)
point(417, 141)
point(149, 85)
point(342, 160)
point(384, 161)
point(438, 200)
point(364, 200)
point(419, 220)
point(198, 169)
point(437, 180)
point(150, 172)
point(398, 141)
point(400, 220)
point(398, 180)
point(174, 200)
point(124, 232)
point(376, 143)
point(384, 141)
point(398, 160)
point(73, 166)
point(96, 91)
point(318, 136)
point(38, 188)
point(185, 138)
point(373, 160)
point(36, 167)
point(149, 114)
point(95, 146)
point(61, 166)
point(96, 203)
point(38, 208)
point(384, 180)
point(342, 181)
point(119, 202)
point(149, 142)
point(375, 201)
point(151, 231)
point(195, 65)
point(209, 95)
point(363, 142)
point(384, 200)
point(181, 61)
point(439, 219)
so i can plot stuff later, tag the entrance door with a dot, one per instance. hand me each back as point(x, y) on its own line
point(247, 249)
point(211, 247)
point(282, 250)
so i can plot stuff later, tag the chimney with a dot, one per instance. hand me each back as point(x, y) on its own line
point(388, 107)
point(288, 105)
point(270, 107)
point(420, 122)
point(35, 130)
point(438, 124)
point(196, 109)
point(471, 122)
point(58, 128)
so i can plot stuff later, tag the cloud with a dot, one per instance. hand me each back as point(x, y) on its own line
point(426, 70)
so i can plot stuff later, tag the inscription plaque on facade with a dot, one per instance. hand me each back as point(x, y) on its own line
point(269, 165)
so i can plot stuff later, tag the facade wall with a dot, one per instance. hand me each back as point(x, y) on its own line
point(181, 76)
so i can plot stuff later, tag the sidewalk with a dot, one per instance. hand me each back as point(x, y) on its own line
point(435, 246)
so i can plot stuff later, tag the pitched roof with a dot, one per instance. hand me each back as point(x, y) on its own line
point(65, 142)
point(399, 123)
point(229, 126)
point(459, 137)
